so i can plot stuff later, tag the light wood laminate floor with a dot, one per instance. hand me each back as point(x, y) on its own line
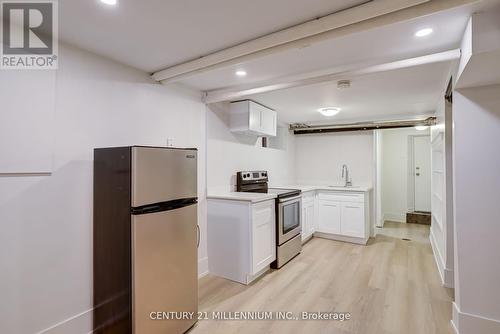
point(389, 286)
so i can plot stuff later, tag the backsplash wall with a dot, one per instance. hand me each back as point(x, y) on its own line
point(319, 158)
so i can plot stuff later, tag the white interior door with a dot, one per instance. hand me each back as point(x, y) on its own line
point(422, 172)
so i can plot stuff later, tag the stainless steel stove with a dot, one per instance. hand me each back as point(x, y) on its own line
point(288, 213)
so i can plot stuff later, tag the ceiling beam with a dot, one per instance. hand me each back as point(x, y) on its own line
point(301, 129)
point(332, 75)
point(360, 18)
point(365, 11)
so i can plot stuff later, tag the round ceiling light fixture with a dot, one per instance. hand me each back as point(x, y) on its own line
point(329, 111)
point(241, 73)
point(343, 84)
point(421, 127)
point(424, 32)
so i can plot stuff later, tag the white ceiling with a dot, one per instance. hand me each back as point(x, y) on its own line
point(384, 44)
point(397, 94)
point(154, 34)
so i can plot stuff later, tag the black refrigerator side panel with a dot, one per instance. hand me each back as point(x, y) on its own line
point(112, 240)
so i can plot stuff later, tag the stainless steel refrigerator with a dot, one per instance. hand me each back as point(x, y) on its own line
point(145, 239)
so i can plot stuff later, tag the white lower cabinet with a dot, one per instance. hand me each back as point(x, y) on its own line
point(343, 216)
point(353, 219)
point(308, 218)
point(329, 216)
point(263, 235)
point(241, 238)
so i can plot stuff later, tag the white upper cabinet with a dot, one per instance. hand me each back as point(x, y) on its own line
point(252, 118)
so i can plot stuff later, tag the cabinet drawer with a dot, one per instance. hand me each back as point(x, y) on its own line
point(342, 197)
point(263, 213)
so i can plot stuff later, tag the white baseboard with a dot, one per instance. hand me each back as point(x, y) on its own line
point(466, 323)
point(353, 240)
point(202, 267)
point(395, 217)
point(447, 275)
point(77, 324)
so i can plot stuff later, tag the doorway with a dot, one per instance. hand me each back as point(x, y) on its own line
point(403, 177)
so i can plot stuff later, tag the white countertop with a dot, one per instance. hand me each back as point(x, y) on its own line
point(306, 188)
point(259, 197)
point(240, 196)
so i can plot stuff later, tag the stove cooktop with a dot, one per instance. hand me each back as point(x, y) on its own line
point(283, 192)
point(257, 182)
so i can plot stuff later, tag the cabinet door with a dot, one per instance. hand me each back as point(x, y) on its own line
point(329, 217)
point(310, 218)
point(268, 122)
point(353, 219)
point(263, 235)
point(254, 118)
point(305, 223)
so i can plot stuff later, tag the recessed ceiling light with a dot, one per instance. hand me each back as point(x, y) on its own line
point(241, 73)
point(421, 127)
point(110, 2)
point(424, 32)
point(329, 111)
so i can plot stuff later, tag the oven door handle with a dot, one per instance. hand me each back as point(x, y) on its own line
point(289, 199)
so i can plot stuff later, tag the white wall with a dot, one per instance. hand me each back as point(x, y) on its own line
point(46, 220)
point(320, 158)
point(476, 136)
point(228, 153)
point(397, 196)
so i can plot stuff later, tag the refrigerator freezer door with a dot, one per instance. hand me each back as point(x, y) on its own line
point(160, 175)
point(164, 269)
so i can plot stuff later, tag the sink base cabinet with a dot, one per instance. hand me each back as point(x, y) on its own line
point(241, 238)
point(343, 216)
point(329, 216)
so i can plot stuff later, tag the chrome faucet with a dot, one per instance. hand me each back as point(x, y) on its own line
point(345, 172)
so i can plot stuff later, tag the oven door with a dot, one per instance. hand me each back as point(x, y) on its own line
point(289, 218)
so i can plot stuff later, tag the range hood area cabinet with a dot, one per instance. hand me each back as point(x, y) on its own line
point(251, 118)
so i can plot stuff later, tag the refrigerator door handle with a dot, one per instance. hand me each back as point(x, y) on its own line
point(198, 237)
point(164, 206)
